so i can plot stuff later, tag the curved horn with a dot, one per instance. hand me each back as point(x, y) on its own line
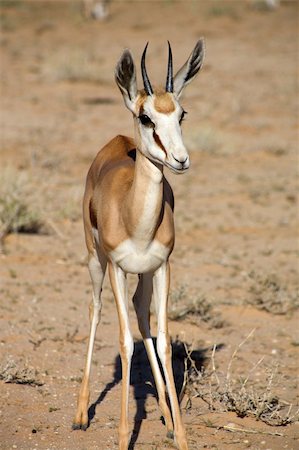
point(146, 82)
point(169, 79)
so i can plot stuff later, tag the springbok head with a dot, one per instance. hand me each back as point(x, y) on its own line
point(157, 112)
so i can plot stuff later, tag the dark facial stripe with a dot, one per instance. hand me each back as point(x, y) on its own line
point(158, 142)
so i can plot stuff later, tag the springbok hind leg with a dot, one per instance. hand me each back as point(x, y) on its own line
point(97, 267)
point(142, 300)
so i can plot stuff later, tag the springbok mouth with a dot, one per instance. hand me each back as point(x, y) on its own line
point(177, 170)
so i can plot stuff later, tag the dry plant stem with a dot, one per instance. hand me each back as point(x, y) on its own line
point(182, 393)
point(235, 353)
point(247, 430)
point(252, 370)
point(213, 365)
point(268, 391)
point(188, 351)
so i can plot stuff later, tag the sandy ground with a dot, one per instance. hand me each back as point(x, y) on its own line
point(236, 244)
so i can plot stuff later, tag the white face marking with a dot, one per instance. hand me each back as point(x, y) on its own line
point(166, 128)
point(132, 259)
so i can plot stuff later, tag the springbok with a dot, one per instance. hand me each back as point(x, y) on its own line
point(128, 220)
point(96, 9)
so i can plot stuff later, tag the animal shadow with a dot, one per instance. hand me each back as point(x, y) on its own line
point(143, 382)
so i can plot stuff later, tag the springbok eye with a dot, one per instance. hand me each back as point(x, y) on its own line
point(183, 116)
point(145, 120)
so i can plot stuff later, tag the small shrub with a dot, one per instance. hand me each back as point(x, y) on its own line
point(220, 10)
point(17, 372)
point(267, 293)
point(244, 397)
point(195, 309)
point(73, 66)
point(206, 139)
point(16, 213)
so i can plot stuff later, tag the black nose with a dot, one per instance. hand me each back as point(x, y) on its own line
point(179, 161)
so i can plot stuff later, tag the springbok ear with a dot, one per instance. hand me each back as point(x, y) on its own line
point(190, 69)
point(125, 77)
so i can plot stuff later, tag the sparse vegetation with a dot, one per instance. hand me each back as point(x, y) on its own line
point(223, 10)
point(17, 214)
point(12, 371)
point(195, 309)
point(268, 294)
point(72, 65)
point(205, 139)
point(242, 396)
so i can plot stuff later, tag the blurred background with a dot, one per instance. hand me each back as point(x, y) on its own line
point(235, 263)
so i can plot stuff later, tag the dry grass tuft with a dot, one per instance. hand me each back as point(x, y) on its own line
point(17, 214)
point(74, 66)
point(267, 293)
point(205, 139)
point(264, 5)
point(222, 10)
point(194, 310)
point(12, 371)
point(242, 396)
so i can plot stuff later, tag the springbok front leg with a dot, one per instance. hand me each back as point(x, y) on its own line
point(161, 281)
point(97, 266)
point(119, 286)
point(142, 300)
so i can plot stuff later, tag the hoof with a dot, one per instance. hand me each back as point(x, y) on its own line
point(80, 426)
point(170, 434)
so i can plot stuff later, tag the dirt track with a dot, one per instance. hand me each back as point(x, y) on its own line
point(236, 223)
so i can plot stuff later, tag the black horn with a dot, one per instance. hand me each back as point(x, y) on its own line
point(146, 82)
point(169, 80)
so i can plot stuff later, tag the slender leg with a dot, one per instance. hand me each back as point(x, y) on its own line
point(142, 300)
point(160, 290)
point(119, 287)
point(97, 267)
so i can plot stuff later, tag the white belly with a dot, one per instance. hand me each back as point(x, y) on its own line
point(132, 259)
